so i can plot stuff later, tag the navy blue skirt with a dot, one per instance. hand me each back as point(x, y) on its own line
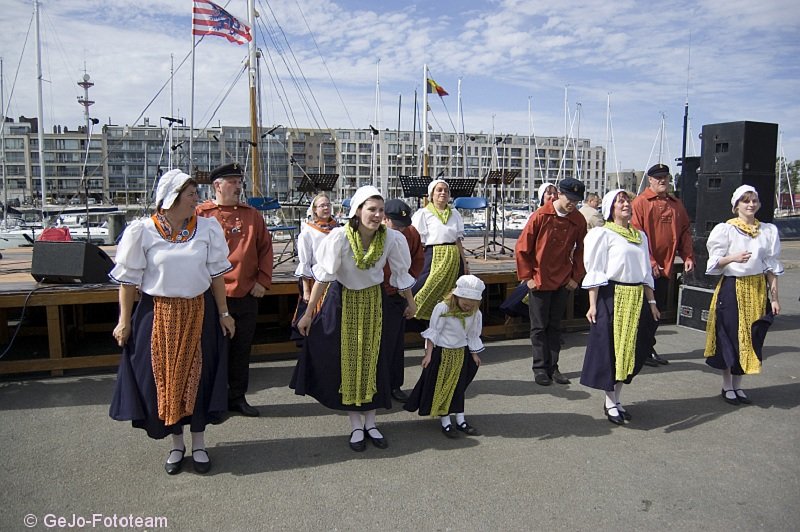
point(318, 371)
point(599, 361)
point(421, 398)
point(135, 390)
point(727, 329)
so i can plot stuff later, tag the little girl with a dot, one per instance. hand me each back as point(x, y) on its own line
point(455, 327)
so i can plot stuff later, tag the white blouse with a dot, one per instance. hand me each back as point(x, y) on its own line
point(765, 248)
point(447, 331)
point(609, 257)
point(335, 262)
point(307, 243)
point(171, 269)
point(432, 231)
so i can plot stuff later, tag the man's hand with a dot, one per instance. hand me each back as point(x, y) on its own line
point(258, 291)
point(571, 285)
point(688, 265)
point(531, 284)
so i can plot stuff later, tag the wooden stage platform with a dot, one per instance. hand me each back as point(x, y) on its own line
point(58, 327)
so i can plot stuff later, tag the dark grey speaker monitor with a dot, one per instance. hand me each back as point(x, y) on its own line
point(70, 262)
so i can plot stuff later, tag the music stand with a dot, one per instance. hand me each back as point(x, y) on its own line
point(497, 178)
point(414, 186)
point(461, 188)
point(314, 183)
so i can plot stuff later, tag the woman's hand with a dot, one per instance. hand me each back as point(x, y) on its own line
point(426, 359)
point(122, 332)
point(304, 323)
point(776, 308)
point(476, 359)
point(591, 314)
point(411, 310)
point(741, 256)
point(228, 325)
point(655, 311)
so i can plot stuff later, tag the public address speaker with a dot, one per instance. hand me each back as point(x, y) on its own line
point(70, 262)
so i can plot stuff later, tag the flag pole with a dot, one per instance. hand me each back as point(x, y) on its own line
point(254, 132)
point(425, 121)
point(191, 109)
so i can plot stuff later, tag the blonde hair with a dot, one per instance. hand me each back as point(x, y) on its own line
point(452, 301)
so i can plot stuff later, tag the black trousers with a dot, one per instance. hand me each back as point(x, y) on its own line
point(661, 292)
point(394, 326)
point(546, 308)
point(244, 310)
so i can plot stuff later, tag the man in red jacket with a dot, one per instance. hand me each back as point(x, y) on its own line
point(664, 220)
point(549, 257)
point(250, 253)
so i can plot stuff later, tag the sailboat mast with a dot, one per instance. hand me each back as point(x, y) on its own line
point(171, 111)
point(39, 107)
point(251, 74)
point(425, 121)
point(3, 146)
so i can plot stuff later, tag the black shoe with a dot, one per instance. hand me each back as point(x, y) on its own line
point(624, 413)
point(559, 378)
point(450, 431)
point(380, 443)
point(173, 468)
point(650, 361)
point(468, 429)
point(541, 378)
point(358, 446)
point(243, 408)
point(730, 400)
point(399, 395)
point(616, 420)
point(659, 359)
point(201, 467)
point(742, 397)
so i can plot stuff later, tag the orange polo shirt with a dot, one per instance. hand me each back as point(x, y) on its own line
point(249, 246)
point(666, 223)
point(550, 248)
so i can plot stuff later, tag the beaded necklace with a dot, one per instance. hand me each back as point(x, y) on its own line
point(166, 231)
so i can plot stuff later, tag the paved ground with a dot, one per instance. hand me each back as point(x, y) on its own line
point(548, 459)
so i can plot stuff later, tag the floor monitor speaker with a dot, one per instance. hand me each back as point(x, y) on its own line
point(70, 262)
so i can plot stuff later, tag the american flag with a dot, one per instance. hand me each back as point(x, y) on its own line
point(210, 19)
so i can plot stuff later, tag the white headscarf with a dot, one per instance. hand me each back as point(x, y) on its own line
point(608, 202)
point(362, 195)
point(433, 184)
point(168, 187)
point(741, 191)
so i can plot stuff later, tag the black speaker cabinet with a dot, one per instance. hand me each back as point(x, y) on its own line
point(69, 262)
point(739, 147)
point(714, 193)
point(693, 307)
point(687, 185)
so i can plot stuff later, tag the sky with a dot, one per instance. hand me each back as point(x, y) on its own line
point(630, 64)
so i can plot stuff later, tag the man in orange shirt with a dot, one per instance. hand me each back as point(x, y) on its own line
point(664, 220)
point(398, 217)
point(549, 257)
point(250, 253)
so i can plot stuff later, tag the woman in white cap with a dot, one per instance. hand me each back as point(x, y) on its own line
point(547, 192)
point(442, 230)
point(622, 308)
point(312, 232)
point(746, 253)
point(452, 344)
point(173, 367)
point(341, 364)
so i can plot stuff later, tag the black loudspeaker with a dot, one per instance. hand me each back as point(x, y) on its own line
point(70, 262)
point(739, 147)
point(714, 193)
point(698, 277)
point(687, 186)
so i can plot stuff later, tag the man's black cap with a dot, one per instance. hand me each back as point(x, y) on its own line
point(397, 210)
point(226, 170)
point(658, 170)
point(572, 188)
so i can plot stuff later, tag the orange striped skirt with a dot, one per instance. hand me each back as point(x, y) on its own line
point(176, 357)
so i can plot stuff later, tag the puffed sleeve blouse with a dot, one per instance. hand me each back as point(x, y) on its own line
point(163, 268)
point(335, 262)
point(609, 257)
point(434, 232)
point(447, 331)
point(307, 243)
point(765, 248)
